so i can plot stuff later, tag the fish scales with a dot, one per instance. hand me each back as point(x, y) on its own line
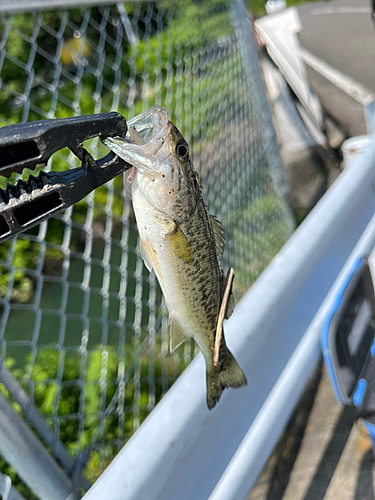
point(179, 240)
point(204, 275)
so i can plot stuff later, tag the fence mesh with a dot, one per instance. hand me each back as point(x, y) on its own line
point(83, 324)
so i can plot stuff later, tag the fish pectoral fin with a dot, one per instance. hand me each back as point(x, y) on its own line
point(177, 335)
point(179, 244)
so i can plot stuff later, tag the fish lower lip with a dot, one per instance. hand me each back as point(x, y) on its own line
point(135, 155)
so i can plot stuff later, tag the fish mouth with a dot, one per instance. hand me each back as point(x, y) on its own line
point(145, 145)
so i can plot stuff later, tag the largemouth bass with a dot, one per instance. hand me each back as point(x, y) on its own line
point(179, 240)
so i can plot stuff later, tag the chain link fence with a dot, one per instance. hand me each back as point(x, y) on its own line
point(83, 326)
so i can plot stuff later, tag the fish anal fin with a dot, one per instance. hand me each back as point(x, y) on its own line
point(177, 335)
point(180, 245)
point(218, 234)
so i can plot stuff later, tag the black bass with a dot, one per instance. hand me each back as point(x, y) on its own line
point(179, 240)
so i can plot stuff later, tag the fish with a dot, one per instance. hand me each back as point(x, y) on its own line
point(179, 240)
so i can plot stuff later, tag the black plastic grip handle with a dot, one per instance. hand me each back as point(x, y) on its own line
point(30, 202)
point(33, 143)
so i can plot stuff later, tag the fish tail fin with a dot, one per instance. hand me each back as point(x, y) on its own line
point(227, 373)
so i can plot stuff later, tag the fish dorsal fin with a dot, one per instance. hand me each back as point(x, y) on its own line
point(218, 234)
point(177, 335)
point(231, 302)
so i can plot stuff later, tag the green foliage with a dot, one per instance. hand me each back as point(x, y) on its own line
point(181, 37)
point(258, 232)
point(101, 369)
point(24, 256)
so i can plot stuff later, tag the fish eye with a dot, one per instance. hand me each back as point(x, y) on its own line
point(181, 150)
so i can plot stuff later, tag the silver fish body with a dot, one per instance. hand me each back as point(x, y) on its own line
point(180, 241)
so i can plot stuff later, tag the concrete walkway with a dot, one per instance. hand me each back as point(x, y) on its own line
point(340, 33)
point(332, 461)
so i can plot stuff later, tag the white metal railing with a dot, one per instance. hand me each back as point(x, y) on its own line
point(183, 451)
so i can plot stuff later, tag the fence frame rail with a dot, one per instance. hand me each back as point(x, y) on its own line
point(13, 6)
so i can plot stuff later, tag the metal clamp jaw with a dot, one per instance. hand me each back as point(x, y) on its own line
point(26, 145)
